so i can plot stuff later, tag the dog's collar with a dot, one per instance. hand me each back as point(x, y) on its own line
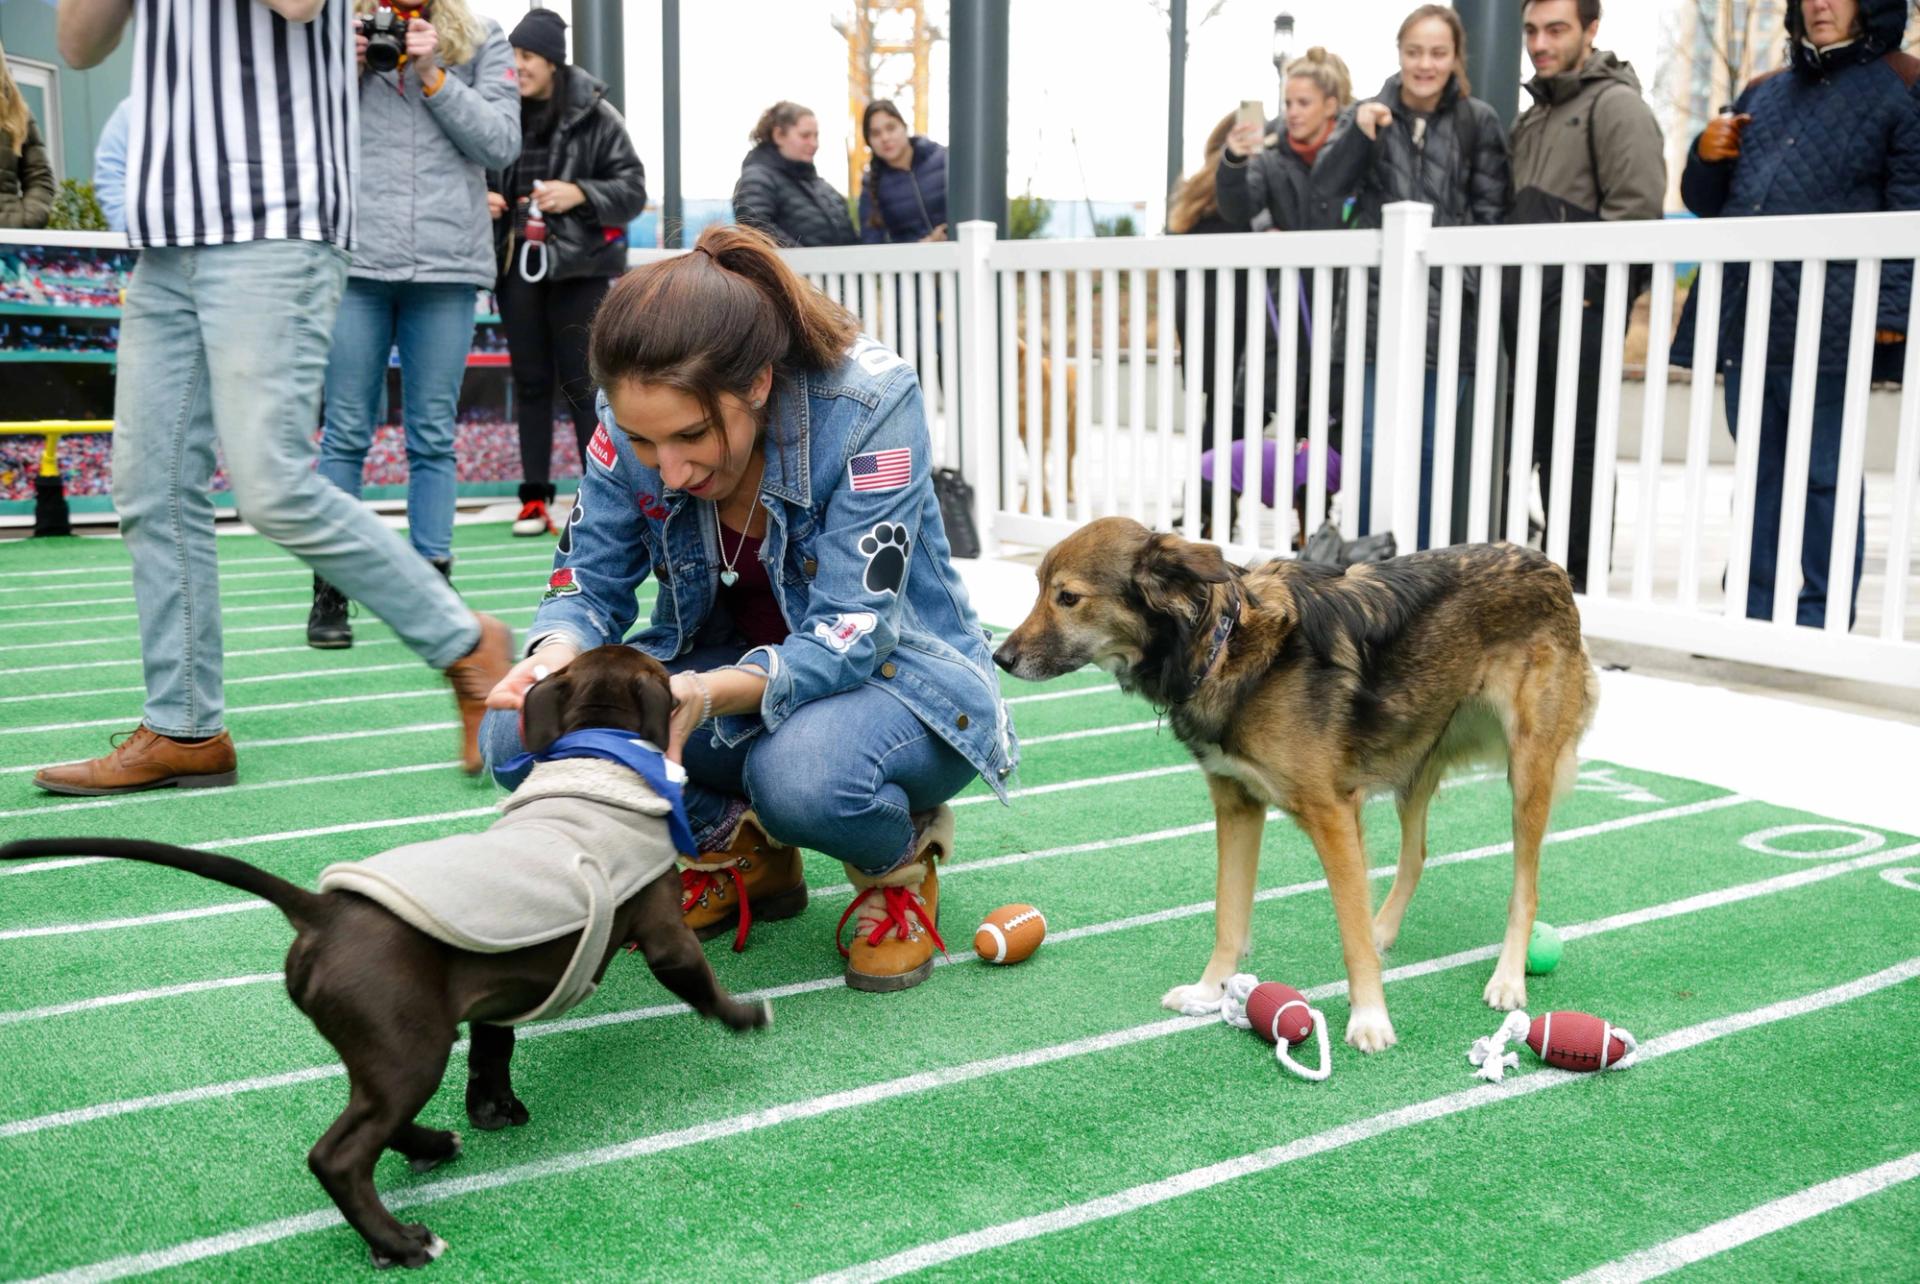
point(642, 757)
point(1222, 630)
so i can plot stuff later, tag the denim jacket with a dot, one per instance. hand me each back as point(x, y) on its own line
point(854, 547)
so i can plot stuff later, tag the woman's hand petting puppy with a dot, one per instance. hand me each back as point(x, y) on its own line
point(511, 691)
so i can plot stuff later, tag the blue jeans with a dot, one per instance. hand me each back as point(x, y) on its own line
point(842, 775)
point(229, 343)
point(1462, 427)
point(1823, 473)
point(433, 324)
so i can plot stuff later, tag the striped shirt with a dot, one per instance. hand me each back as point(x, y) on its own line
point(245, 127)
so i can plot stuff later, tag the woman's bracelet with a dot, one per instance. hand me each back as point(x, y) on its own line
point(706, 696)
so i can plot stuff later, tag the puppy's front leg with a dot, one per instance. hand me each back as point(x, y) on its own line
point(1239, 819)
point(1336, 837)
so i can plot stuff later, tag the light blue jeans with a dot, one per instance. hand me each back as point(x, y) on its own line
point(229, 343)
point(433, 325)
point(843, 775)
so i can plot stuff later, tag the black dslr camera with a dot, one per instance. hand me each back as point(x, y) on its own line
point(386, 33)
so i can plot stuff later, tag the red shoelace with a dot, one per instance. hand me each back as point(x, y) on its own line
point(696, 883)
point(896, 902)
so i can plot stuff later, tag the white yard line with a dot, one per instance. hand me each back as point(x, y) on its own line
point(133, 661)
point(126, 639)
point(297, 675)
point(1149, 1194)
point(932, 1080)
point(301, 607)
point(225, 592)
point(1777, 1215)
point(288, 565)
point(160, 795)
point(225, 844)
point(1619, 922)
point(319, 737)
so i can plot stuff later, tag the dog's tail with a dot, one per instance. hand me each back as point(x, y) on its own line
point(300, 906)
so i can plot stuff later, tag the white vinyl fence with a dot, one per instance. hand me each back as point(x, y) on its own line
point(1052, 383)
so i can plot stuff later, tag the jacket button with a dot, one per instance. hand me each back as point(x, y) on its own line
point(809, 566)
point(961, 722)
point(887, 669)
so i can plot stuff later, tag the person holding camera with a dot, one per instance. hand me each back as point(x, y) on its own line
point(438, 108)
point(560, 224)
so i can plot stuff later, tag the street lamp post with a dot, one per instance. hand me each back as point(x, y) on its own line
point(1282, 48)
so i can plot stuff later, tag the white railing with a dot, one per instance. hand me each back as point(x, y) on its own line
point(1050, 380)
point(1077, 339)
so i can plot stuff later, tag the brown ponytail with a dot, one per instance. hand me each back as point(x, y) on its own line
point(709, 321)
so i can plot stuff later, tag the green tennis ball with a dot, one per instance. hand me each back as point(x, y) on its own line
point(1543, 951)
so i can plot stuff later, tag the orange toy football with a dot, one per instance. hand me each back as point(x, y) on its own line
point(1011, 934)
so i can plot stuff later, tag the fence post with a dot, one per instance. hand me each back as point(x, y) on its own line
point(1400, 370)
point(978, 378)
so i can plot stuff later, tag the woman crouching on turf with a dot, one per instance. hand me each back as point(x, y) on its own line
point(770, 468)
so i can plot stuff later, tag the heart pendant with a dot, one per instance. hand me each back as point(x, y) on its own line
point(729, 578)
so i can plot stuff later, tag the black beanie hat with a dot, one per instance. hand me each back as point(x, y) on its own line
point(543, 32)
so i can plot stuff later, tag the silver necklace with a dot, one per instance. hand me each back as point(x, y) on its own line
point(728, 576)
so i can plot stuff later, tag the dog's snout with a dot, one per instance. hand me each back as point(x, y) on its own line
point(1008, 655)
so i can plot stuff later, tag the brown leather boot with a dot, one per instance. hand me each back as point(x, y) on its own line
point(755, 877)
point(473, 675)
point(897, 914)
point(145, 760)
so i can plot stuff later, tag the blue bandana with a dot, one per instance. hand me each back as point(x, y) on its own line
point(641, 757)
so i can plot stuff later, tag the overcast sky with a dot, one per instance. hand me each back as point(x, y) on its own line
point(1087, 71)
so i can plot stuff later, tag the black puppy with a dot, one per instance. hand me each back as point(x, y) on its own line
point(390, 998)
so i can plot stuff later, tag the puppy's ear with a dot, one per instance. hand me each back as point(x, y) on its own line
point(543, 712)
point(1173, 574)
point(654, 698)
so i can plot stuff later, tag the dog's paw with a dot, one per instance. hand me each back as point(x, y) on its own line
point(422, 1248)
point(1384, 935)
point(1506, 993)
point(427, 1163)
point(741, 1017)
point(1194, 1000)
point(489, 1114)
point(1369, 1030)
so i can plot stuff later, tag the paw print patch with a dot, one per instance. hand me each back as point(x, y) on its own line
point(885, 548)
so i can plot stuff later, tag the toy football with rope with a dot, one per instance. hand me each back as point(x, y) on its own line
point(1279, 1014)
point(1576, 1041)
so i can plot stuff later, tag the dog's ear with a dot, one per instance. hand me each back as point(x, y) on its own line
point(1172, 574)
point(654, 698)
point(543, 712)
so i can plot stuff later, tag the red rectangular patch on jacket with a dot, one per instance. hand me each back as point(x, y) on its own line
point(881, 469)
point(601, 447)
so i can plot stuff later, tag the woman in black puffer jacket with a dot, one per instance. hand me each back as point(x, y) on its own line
point(578, 166)
point(780, 192)
point(1422, 139)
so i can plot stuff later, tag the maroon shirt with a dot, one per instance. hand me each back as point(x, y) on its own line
point(755, 610)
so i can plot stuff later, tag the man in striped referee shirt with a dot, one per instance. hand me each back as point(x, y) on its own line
point(241, 163)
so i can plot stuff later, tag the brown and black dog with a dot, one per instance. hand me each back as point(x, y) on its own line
point(390, 998)
point(1308, 688)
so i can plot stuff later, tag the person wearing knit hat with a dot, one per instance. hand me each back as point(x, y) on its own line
point(576, 166)
point(542, 32)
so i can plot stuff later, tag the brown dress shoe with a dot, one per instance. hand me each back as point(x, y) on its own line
point(145, 760)
point(755, 877)
point(475, 674)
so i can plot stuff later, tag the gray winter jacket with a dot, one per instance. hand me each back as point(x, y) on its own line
point(423, 167)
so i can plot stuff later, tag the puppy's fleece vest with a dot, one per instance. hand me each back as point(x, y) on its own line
point(579, 837)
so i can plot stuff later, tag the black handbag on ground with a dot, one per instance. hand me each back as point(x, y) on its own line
point(956, 511)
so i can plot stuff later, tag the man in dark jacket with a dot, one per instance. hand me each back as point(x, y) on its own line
point(1589, 148)
point(1838, 131)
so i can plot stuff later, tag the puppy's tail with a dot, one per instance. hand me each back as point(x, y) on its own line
point(300, 906)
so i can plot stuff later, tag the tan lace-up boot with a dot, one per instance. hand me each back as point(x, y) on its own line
point(754, 878)
point(896, 915)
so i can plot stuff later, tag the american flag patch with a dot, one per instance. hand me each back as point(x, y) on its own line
point(881, 469)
